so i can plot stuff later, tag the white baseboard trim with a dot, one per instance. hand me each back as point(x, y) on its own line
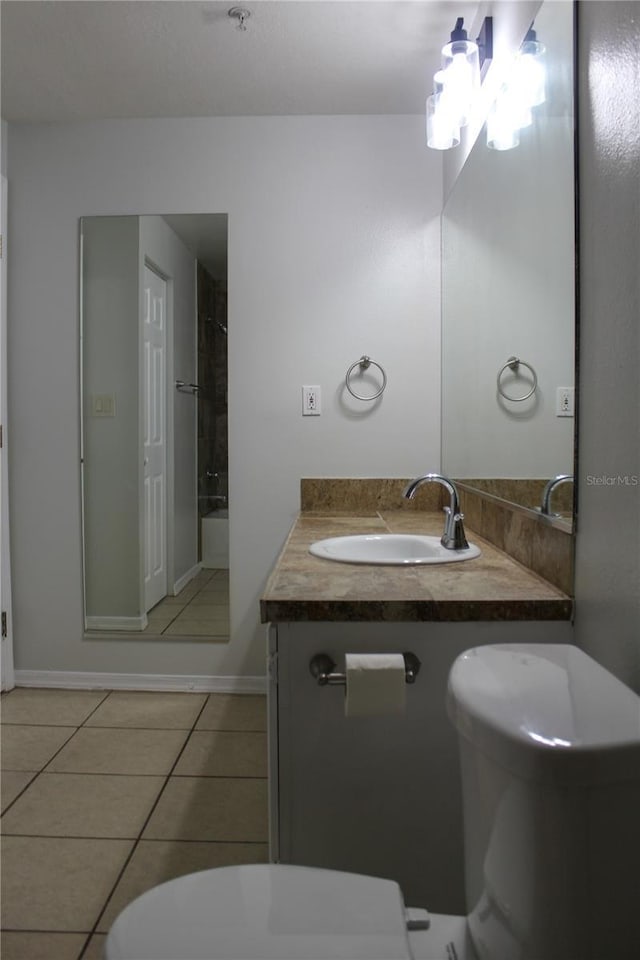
point(126, 624)
point(139, 681)
point(186, 578)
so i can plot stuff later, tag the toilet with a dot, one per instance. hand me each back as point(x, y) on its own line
point(550, 757)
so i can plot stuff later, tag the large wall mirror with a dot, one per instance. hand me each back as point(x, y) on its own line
point(154, 426)
point(508, 276)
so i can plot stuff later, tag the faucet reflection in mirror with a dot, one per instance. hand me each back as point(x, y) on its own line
point(508, 270)
point(545, 507)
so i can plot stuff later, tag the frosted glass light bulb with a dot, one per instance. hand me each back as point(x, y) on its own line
point(442, 130)
point(530, 74)
point(461, 69)
point(502, 133)
point(458, 83)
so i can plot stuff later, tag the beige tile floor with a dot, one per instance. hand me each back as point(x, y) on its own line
point(106, 794)
point(199, 612)
point(201, 609)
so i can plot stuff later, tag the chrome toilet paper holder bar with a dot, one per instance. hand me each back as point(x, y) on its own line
point(322, 668)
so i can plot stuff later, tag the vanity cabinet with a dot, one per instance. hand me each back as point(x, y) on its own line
point(377, 795)
point(382, 795)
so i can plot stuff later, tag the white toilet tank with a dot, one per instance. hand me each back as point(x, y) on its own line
point(550, 752)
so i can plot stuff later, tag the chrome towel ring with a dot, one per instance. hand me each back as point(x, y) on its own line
point(364, 363)
point(513, 363)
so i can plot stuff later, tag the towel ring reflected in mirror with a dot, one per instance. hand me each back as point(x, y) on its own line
point(512, 364)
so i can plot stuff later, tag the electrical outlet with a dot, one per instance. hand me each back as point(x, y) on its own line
point(311, 401)
point(564, 402)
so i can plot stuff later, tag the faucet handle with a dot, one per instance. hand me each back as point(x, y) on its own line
point(459, 537)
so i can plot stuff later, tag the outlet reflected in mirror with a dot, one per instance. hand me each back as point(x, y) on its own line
point(508, 275)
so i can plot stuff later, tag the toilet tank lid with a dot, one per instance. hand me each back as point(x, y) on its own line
point(547, 711)
point(264, 912)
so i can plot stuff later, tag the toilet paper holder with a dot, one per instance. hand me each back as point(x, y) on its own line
point(322, 667)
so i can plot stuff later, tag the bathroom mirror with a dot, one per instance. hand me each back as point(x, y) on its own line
point(154, 426)
point(508, 274)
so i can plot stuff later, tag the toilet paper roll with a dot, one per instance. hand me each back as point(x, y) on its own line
point(375, 684)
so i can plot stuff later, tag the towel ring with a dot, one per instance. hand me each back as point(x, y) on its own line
point(513, 363)
point(364, 363)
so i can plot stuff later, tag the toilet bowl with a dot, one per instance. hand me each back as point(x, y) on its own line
point(550, 758)
point(275, 912)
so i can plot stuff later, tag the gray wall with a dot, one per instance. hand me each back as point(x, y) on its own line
point(608, 538)
point(331, 223)
point(508, 289)
point(334, 241)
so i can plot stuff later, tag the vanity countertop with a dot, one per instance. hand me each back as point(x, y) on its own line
point(492, 587)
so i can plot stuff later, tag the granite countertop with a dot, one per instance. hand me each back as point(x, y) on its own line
point(491, 587)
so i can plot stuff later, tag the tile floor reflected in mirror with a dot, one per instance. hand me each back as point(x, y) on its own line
point(106, 794)
point(200, 609)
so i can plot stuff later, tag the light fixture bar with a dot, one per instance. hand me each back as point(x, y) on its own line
point(485, 45)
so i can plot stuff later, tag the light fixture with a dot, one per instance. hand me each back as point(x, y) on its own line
point(456, 85)
point(529, 70)
point(460, 73)
point(522, 90)
point(503, 131)
point(485, 45)
point(442, 130)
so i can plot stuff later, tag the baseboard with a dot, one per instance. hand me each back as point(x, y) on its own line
point(186, 578)
point(139, 681)
point(117, 623)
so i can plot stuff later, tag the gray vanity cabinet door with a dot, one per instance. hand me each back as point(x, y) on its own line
point(369, 794)
point(376, 795)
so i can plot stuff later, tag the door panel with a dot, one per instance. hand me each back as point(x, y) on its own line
point(155, 452)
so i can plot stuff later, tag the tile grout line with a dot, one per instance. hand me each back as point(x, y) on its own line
point(24, 789)
point(74, 728)
point(191, 600)
point(93, 773)
point(183, 608)
point(38, 773)
point(139, 837)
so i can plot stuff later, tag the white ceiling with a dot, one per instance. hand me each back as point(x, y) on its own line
point(73, 60)
point(205, 236)
point(66, 60)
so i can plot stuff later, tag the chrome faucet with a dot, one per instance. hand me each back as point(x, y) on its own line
point(545, 507)
point(453, 537)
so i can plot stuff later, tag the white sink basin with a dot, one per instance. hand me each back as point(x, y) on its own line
point(389, 548)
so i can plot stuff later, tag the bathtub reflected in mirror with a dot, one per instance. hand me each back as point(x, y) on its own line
point(154, 331)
